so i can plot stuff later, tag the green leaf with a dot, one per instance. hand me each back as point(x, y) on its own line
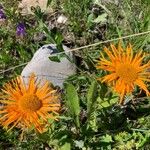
point(58, 57)
point(145, 140)
point(79, 144)
point(91, 96)
point(49, 2)
point(101, 18)
point(66, 146)
point(107, 102)
point(90, 20)
point(59, 46)
point(55, 58)
point(38, 12)
point(62, 139)
point(107, 138)
point(47, 32)
point(72, 101)
point(91, 111)
point(58, 37)
point(92, 120)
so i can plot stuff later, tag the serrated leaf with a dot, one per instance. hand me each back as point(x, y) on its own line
point(72, 101)
point(107, 102)
point(91, 96)
point(92, 121)
point(107, 138)
point(91, 99)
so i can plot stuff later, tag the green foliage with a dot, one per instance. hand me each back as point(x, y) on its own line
point(74, 9)
point(91, 105)
point(72, 101)
point(90, 118)
point(49, 2)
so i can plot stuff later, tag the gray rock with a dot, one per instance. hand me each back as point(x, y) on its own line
point(45, 69)
point(25, 6)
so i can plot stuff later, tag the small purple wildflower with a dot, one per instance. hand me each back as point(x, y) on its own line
point(21, 29)
point(2, 15)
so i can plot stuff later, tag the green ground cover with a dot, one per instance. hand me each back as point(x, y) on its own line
point(90, 117)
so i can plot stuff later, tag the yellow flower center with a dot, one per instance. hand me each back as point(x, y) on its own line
point(30, 102)
point(127, 72)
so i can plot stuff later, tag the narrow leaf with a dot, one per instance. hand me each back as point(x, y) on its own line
point(91, 96)
point(91, 105)
point(72, 101)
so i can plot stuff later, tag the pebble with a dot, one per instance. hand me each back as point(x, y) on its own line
point(62, 19)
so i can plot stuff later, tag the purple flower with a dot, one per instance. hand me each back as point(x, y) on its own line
point(21, 29)
point(2, 15)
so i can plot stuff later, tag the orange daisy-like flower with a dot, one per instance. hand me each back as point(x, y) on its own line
point(125, 70)
point(28, 105)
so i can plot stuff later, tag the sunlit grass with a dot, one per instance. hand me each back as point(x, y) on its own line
point(90, 117)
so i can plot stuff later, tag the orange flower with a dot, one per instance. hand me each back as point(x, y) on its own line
point(125, 70)
point(28, 106)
